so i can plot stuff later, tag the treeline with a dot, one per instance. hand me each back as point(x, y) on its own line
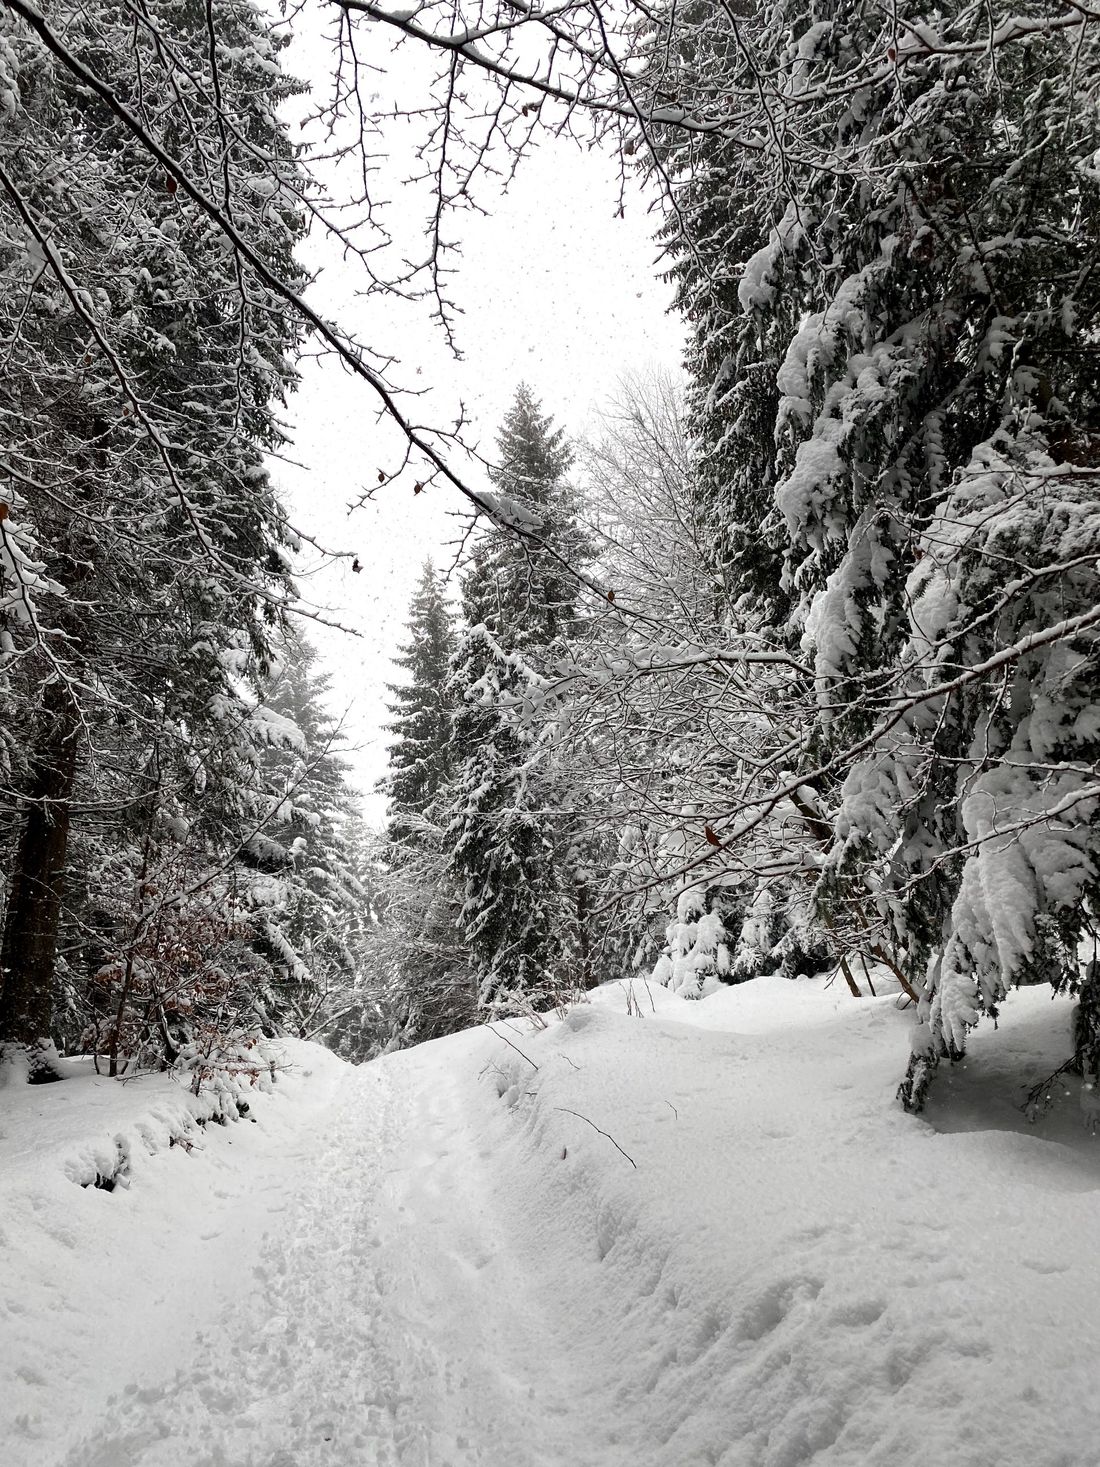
point(558, 744)
point(485, 901)
point(179, 856)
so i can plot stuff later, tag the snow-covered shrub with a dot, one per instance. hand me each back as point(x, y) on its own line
point(696, 959)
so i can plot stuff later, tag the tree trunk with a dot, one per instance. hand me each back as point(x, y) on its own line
point(28, 953)
point(587, 979)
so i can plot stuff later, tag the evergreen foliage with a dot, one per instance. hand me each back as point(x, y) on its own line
point(510, 824)
point(889, 272)
point(846, 698)
point(145, 563)
point(310, 887)
point(192, 923)
point(417, 957)
point(419, 758)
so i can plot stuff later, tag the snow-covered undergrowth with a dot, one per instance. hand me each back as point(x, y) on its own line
point(705, 1235)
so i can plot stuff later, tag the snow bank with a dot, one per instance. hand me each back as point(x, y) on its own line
point(771, 1264)
point(126, 1215)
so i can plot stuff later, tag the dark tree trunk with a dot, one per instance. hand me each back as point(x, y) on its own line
point(28, 953)
point(1086, 1025)
point(587, 978)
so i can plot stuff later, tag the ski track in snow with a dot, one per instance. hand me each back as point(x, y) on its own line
point(388, 1324)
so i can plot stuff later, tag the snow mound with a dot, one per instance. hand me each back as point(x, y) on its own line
point(770, 1264)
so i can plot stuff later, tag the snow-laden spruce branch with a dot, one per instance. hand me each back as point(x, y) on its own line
point(1009, 831)
point(163, 445)
point(749, 815)
point(26, 576)
point(904, 704)
point(263, 820)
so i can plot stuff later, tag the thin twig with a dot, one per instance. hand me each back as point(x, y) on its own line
point(594, 1126)
point(516, 1047)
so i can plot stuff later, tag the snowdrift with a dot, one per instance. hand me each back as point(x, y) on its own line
point(788, 1269)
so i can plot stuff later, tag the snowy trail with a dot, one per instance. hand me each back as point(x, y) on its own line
point(611, 1242)
point(387, 1320)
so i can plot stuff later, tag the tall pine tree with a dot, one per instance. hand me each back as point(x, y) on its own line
point(511, 825)
point(417, 951)
point(420, 756)
point(145, 562)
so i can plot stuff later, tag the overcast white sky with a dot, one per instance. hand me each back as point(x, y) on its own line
point(555, 290)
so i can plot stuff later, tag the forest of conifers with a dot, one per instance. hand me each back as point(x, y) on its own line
point(792, 669)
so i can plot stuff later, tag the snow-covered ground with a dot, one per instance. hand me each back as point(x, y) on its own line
point(701, 1233)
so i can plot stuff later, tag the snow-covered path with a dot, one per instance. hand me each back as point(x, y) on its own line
point(388, 1318)
point(615, 1242)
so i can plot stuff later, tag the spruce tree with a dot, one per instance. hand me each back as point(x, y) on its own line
point(146, 555)
point(510, 824)
point(311, 917)
point(416, 952)
point(893, 294)
point(419, 757)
